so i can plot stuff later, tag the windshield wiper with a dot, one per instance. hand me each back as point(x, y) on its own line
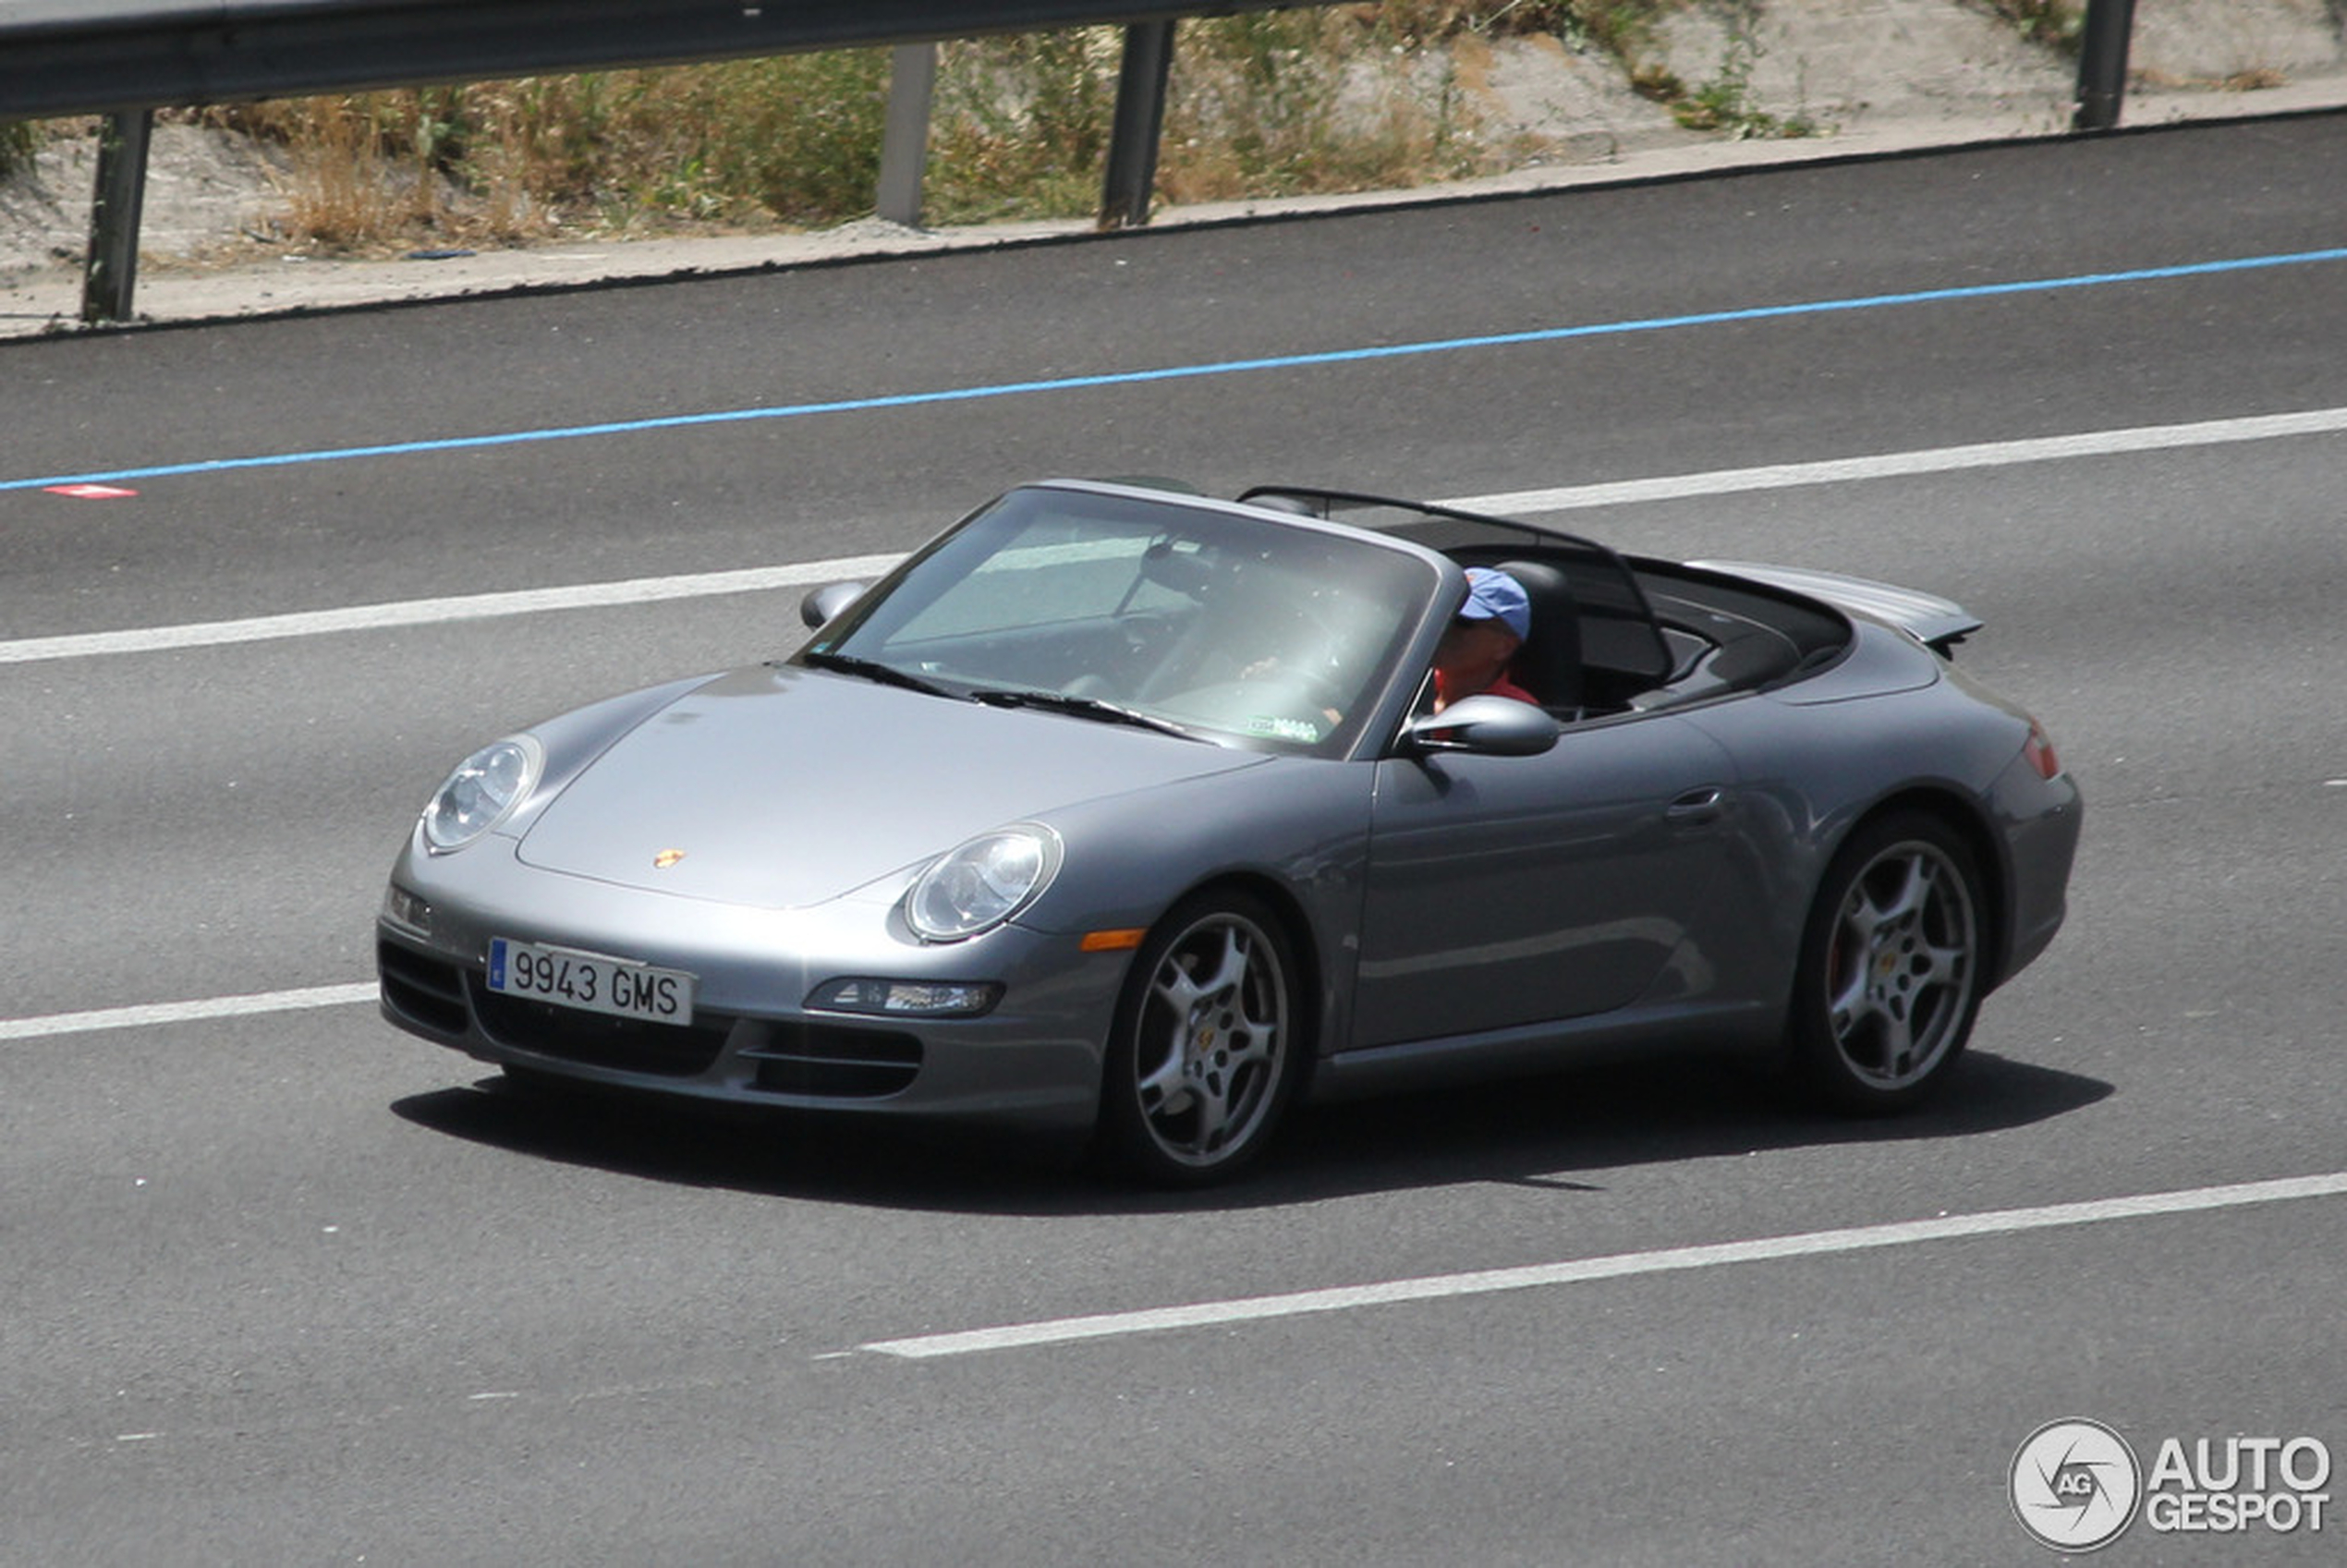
point(1080, 707)
point(872, 669)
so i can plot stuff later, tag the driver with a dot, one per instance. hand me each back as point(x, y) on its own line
point(1481, 640)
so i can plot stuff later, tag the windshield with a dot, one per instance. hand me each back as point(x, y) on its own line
point(1231, 628)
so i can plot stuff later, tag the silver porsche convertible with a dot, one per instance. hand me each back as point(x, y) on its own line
point(1121, 813)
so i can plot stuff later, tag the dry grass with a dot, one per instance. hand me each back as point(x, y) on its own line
point(1314, 100)
point(1276, 103)
point(785, 140)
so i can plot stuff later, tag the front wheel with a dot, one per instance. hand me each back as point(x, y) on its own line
point(1206, 1045)
point(1891, 965)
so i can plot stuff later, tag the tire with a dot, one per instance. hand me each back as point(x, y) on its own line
point(1891, 968)
point(1207, 1044)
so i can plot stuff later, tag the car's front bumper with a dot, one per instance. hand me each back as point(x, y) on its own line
point(1033, 1061)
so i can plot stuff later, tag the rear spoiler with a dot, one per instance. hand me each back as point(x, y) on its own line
point(1939, 624)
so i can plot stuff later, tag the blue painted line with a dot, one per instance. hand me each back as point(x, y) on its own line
point(1187, 372)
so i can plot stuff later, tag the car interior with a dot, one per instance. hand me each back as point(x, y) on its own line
point(1610, 634)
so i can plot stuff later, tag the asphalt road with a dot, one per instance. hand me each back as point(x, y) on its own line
point(279, 1285)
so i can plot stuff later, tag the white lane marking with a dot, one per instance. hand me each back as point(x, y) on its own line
point(1816, 1244)
point(148, 1014)
point(437, 611)
point(1931, 460)
point(641, 590)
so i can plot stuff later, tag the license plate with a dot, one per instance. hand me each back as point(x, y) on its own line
point(609, 986)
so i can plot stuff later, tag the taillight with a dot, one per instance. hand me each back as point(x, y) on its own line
point(2039, 750)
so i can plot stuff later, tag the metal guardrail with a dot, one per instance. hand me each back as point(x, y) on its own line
point(125, 58)
point(92, 57)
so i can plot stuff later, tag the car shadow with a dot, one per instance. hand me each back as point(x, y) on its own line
point(1555, 1130)
point(1564, 1130)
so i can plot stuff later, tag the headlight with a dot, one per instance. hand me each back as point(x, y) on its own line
point(482, 792)
point(982, 884)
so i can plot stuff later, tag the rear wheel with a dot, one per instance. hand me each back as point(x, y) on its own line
point(1206, 1045)
point(1890, 968)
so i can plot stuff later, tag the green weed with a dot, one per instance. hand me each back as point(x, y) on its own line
point(1724, 104)
point(2058, 24)
point(19, 141)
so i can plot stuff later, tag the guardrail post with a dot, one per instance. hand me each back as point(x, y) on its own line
point(112, 266)
point(2102, 64)
point(1140, 120)
point(912, 85)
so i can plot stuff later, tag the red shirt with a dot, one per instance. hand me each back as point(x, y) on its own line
point(1500, 687)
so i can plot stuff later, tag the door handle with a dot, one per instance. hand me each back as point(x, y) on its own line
point(1696, 806)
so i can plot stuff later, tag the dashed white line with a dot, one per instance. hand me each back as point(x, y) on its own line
point(1816, 1244)
point(1678, 487)
point(1930, 460)
point(438, 612)
point(149, 1014)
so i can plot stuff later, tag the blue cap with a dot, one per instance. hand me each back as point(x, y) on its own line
point(1492, 595)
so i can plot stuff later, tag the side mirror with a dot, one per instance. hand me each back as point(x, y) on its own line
point(1484, 726)
point(820, 606)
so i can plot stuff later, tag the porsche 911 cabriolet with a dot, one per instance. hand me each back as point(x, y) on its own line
point(1125, 814)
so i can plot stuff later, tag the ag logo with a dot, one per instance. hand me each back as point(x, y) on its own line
point(2074, 1484)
